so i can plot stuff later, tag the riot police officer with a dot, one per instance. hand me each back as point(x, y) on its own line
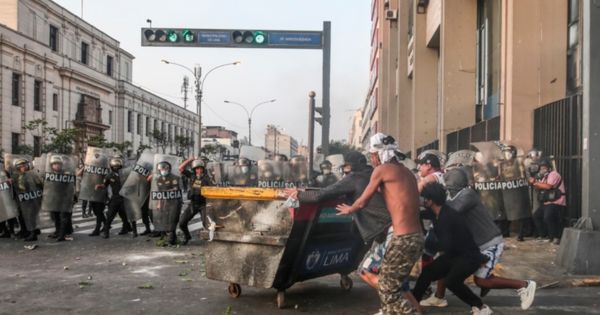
point(59, 189)
point(166, 199)
point(327, 177)
point(116, 203)
point(28, 188)
point(197, 179)
point(243, 174)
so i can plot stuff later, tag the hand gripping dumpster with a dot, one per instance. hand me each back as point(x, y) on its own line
point(256, 239)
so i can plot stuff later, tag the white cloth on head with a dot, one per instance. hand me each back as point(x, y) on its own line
point(386, 152)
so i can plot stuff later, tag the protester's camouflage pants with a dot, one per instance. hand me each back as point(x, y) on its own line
point(401, 254)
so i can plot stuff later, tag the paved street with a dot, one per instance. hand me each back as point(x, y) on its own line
point(133, 276)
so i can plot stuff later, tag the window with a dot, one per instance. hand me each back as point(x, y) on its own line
point(84, 52)
point(109, 65)
point(37, 146)
point(488, 59)
point(155, 125)
point(148, 131)
point(37, 95)
point(139, 124)
point(53, 43)
point(15, 141)
point(16, 90)
point(129, 121)
point(55, 102)
point(110, 117)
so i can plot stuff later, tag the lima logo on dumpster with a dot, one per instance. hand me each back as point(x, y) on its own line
point(318, 259)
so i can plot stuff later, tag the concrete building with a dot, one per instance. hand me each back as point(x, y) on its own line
point(439, 67)
point(303, 150)
point(355, 134)
point(446, 74)
point(57, 67)
point(277, 142)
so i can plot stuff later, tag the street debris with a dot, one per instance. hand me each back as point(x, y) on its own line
point(65, 267)
point(30, 247)
point(83, 284)
point(589, 282)
point(146, 286)
point(227, 311)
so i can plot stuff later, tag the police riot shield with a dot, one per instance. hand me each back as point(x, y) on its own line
point(8, 207)
point(487, 178)
point(165, 194)
point(271, 174)
point(252, 153)
point(28, 187)
point(515, 187)
point(59, 183)
point(9, 162)
point(460, 158)
point(298, 171)
point(337, 163)
point(216, 173)
point(94, 170)
point(136, 187)
point(39, 166)
point(246, 176)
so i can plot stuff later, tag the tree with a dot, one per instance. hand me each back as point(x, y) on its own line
point(24, 149)
point(183, 145)
point(97, 141)
point(339, 147)
point(61, 141)
point(160, 140)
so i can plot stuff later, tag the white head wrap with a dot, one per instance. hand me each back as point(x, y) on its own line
point(386, 147)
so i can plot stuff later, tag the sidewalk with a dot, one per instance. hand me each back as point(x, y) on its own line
point(534, 260)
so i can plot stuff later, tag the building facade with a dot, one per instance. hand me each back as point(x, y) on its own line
point(61, 69)
point(445, 67)
point(277, 142)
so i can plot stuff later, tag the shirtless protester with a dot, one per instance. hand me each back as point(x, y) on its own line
point(398, 186)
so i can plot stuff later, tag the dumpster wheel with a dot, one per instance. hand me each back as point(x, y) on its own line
point(235, 290)
point(346, 283)
point(280, 299)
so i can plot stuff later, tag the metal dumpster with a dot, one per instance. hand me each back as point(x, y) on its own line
point(259, 242)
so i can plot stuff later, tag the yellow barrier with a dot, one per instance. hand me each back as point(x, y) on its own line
point(243, 193)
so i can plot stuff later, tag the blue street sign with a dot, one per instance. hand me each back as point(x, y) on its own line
point(214, 37)
point(294, 39)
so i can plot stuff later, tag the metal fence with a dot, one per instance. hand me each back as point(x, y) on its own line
point(558, 132)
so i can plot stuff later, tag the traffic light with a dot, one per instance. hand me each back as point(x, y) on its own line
point(169, 36)
point(249, 37)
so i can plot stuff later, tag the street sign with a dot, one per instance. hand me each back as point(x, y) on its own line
point(213, 37)
point(295, 39)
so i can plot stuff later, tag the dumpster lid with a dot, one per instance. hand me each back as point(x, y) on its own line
point(243, 193)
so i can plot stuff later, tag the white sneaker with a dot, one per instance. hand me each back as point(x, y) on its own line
point(379, 313)
point(434, 301)
point(484, 310)
point(527, 294)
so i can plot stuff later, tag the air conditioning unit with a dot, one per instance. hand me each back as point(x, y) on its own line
point(391, 14)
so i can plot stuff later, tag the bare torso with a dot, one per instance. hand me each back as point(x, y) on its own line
point(399, 189)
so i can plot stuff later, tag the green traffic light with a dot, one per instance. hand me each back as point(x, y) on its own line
point(188, 36)
point(172, 37)
point(260, 37)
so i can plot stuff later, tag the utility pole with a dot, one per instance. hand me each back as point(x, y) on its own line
point(184, 90)
point(197, 76)
point(311, 132)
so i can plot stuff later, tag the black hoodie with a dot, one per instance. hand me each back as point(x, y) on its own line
point(371, 221)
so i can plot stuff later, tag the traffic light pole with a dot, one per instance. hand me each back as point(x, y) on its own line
point(311, 132)
point(197, 76)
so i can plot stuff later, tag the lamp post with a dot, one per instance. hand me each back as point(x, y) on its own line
point(249, 114)
point(199, 85)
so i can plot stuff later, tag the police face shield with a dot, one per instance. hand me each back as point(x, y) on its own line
point(163, 168)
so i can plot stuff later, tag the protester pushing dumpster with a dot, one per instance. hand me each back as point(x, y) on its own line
point(258, 240)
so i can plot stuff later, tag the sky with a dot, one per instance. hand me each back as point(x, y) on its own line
point(283, 74)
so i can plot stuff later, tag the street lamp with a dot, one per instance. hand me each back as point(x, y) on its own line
point(249, 114)
point(199, 84)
